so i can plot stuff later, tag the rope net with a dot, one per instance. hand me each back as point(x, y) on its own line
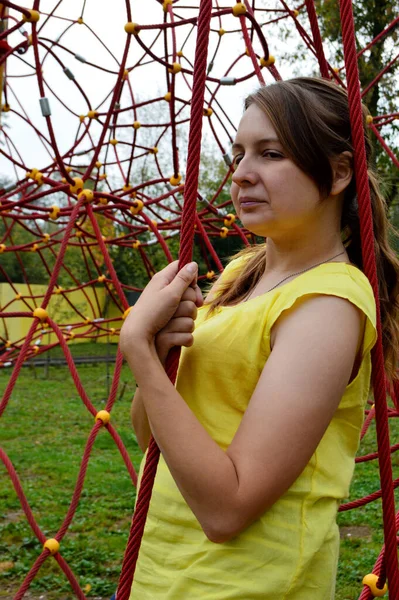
point(95, 171)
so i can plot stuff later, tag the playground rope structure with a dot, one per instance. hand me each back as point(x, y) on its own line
point(90, 194)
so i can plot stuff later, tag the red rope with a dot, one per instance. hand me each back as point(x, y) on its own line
point(186, 245)
point(370, 269)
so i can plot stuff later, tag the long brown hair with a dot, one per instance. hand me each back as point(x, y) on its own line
point(311, 119)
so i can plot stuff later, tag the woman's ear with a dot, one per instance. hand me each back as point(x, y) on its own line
point(343, 172)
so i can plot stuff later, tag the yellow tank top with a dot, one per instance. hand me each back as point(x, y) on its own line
point(291, 552)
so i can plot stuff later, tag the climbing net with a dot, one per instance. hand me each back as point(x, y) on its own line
point(100, 174)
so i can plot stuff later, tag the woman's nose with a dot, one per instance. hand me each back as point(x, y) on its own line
point(244, 174)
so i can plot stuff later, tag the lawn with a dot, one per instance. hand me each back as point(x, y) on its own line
point(44, 430)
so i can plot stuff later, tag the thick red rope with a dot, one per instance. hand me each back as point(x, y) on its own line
point(186, 246)
point(370, 269)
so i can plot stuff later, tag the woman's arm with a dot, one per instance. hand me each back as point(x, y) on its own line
point(176, 333)
point(140, 421)
point(292, 405)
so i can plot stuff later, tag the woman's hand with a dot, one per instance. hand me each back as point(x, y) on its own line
point(157, 305)
point(178, 332)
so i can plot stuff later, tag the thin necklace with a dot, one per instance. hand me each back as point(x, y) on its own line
point(299, 272)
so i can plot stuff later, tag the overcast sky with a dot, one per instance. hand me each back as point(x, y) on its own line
point(106, 50)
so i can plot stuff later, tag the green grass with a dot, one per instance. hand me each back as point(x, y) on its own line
point(44, 431)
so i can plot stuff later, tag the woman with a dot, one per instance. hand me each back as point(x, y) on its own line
point(259, 436)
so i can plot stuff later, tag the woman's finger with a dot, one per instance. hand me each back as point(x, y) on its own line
point(199, 301)
point(179, 325)
point(186, 308)
point(189, 294)
point(180, 339)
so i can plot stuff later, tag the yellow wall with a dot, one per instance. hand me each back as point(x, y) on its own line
point(15, 329)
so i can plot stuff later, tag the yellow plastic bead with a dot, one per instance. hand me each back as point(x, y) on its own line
point(210, 275)
point(38, 178)
point(92, 114)
point(179, 54)
point(371, 580)
point(136, 244)
point(8, 343)
point(34, 248)
point(369, 119)
point(103, 176)
point(5, 108)
point(267, 63)
point(103, 200)
point(127, 187)
point(40, 313)
point(77, 187)
point(221, 32)
point(176, 68)
point(239, 9)
point(68, 169)
point(223, 232)
point(168, 96)
point(112, 331)
point(80, 21)
point(136, 125)
point(18, 297)
point(154, 150)
point(52, 544)
point(295, 13)
point(101, 278)
point(208, 112)
point(59, 290)
point(154, 223)
point(104, 416)
point(46, 237)
point(79, 234)
point(132, 28)
point(32, 174)
point(82, 118)
point(2, 248)
point(35, 349)
point(99, 164)
point(55, 212)
point(175, 180)
point(137, 207)
point(34, 16)
point(127, 311)
point(125, 74)
point(229, 219)
point(86, 195)
point(336, 69)
point(71, 335)
point(113, 142)
point(165, 5)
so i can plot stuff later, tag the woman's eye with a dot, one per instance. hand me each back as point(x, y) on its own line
point(236, 160)
point(272, 154)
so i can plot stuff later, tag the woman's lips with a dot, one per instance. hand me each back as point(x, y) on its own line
point(250, 202)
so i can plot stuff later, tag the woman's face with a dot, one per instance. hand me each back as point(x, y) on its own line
point(271, 195)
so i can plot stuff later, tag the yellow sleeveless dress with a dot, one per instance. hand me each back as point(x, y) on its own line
point(291, 552)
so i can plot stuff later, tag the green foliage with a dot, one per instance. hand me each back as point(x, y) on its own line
point(23, 264)
point(371, 18)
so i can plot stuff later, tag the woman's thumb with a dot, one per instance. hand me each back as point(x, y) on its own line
point(185, 277)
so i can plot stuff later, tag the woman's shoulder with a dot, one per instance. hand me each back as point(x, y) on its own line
point(336, 278)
